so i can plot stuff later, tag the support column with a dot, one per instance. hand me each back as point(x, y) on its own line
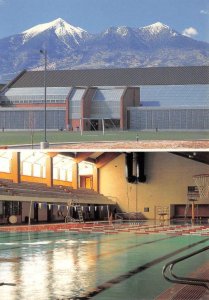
point(75, 176)
point(16, 167)
point(193, 209)
point(96, 179)
point(49, 171)
point(67, 121)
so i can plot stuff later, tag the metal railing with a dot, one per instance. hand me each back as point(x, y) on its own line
point(6, 283)
point(74, 202)
point(169, 275)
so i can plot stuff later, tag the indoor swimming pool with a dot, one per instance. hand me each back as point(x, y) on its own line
point(71, 265)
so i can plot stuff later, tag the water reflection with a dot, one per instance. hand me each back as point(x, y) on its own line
point(48, 269)
point(8, 275)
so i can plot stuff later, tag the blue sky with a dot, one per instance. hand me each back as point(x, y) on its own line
point(188, 16)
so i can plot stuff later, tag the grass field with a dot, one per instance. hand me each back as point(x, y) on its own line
point(24, 137)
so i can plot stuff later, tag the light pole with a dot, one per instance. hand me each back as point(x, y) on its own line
point(45, 143)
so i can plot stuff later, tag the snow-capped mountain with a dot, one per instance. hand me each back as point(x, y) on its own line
point(73, 47)
point(67, 33)
point(156, 29)
point(161, 35)
point(119, 38)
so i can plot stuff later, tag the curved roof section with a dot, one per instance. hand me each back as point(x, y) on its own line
point(76, 94)
point(114, 77)
point(108, 94)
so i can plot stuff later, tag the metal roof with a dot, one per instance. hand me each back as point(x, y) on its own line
point(114, 77)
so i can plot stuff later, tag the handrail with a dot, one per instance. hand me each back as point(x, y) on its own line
point(6, 283)
point(118, 217)
point(180, 279)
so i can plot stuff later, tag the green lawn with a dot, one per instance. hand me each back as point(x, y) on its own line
point(23, 137)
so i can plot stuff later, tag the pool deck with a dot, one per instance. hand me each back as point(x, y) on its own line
point(190, 292)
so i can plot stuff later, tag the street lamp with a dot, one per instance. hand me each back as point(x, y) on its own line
point(45, 143)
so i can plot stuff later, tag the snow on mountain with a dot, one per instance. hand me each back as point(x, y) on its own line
point(59, 27)
point(121, 37)
point(153, 29)
point(157, 28)
point(157, 32)
point(122, 31)
point(146, 37)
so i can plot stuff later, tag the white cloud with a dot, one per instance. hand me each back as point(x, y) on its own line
point(204, 12)
point(190, 32)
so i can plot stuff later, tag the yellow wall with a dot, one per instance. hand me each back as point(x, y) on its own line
point(6, 175)
point(168, 177)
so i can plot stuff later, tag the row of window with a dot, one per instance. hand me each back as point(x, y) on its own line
point(32, 119)
point(169, 119)
point(8, 208)
point(31, 99)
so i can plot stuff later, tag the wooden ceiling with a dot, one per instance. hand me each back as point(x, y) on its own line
point(98, 158)
point(202, 157)
point(102, 158)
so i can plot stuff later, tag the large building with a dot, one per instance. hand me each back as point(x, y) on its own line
point(165, 98)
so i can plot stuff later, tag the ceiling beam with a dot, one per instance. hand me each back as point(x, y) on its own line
point(81, 156)
point(105, 158)
point(202, 157)
point(52, 154)
point(68, 154)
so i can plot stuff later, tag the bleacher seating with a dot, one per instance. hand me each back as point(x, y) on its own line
point(61, 193)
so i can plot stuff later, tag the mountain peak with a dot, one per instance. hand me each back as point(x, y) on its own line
point(120, 30)
point(123, 31)
point(59, 20)
point(59, 26)
point(157, 27)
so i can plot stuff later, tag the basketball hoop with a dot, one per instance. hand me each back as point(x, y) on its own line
point(202, 182)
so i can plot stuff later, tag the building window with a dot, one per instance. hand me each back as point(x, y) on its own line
point(12, 208)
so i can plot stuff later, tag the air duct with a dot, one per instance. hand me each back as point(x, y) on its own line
point(134, 163)
point(140, 158)
point(129, 168)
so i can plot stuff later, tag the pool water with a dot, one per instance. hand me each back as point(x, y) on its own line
point(66, 265)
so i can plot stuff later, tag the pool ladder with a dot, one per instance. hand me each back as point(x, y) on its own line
point(80, 213)
point(75, 203)
point(169, 275)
